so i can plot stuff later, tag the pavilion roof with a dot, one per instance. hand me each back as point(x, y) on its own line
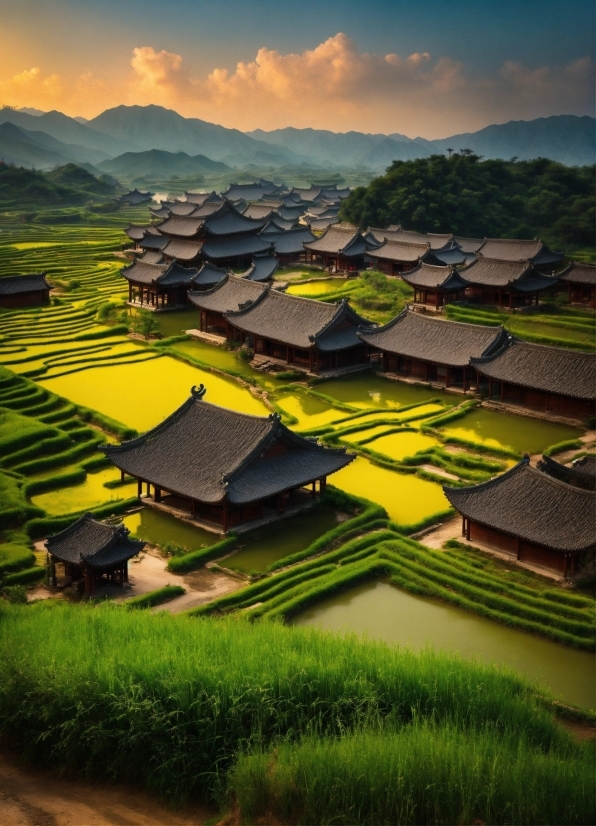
point(151, 257)
point(209, 275)
point(517, 249)
point(262, 268)
point(153, 242)
point(436, 241)
point(581, 472)
point(164, 275)
point(231, 293)
point(235, 246)
point(21, 284)
point(531, 505)
point(290, 213)
point(339, 238)
point(253, 191)
point(487, 272)
point(310, 194)
point(432, 277)
point(300, 322)
point(182, 250)
point(160, 212)
point(181, 226)
point(418, 336)
point(228, 221)
point(399, 251)
point(579, 273)
point(258, 211)
point(135, 197)
point(323, 210)
point(275, 224)
point(97, 544)
point(201, 198)
point(210, 454)
point(468, 244)
point(542, 367)
point(136, 232)
point(323, 223)
point(290, 241)
point(182, 208)
point(454, 256)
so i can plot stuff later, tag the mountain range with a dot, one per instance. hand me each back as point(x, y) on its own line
point(131, 141)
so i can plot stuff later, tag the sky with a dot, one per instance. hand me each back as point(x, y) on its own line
point(427, 68)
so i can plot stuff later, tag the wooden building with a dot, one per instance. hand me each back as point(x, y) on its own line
point(158, 286)
point(530, 515)
point(540, 377)
point(579, 280)
point(431, 349)
point(230, 293)
point(135, 198)
point(521, 251)
point(341, 247)
point(507, 284)
point(92, 552)
point(226, 468)
point(289, 243)
point(208, 276)
point(254, 191)
point(581, 473)
point(397, 257)
point(24, 290)
point(436, 286)
point(263, 267)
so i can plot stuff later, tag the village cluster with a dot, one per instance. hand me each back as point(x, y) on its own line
point(251, 466)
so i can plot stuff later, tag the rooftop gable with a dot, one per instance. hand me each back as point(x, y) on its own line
point(579, 273)
point(231, 293)
point(432, 277)
point(20, 284)
point(518, 249)
point(95, 543)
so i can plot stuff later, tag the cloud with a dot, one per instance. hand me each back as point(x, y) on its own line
point(332, 86)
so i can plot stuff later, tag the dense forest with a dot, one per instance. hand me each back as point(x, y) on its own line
point(68, 185)
point(463, 194)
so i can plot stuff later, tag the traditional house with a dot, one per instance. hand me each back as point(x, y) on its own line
point(540, 377)
point(436, 286)
point(277, 224)
point(435, 241)
point(396, 257)
point(231, 293)
point(521, 251)
point(208, 276)
point(531, 515)
point(341, 247)
point(262, 268)
point(289, 244)
point(468, 245)
point(227, 468)
point(431, 349)
point(506, 283)
point(581, 473)
point(201, 198)
point(320, 224)
point(580, 281)
point(24, 290)
point(134, 198)
point(138, 233)
point(92, 552)
point(253, 192)
point(301, 332)
point(186, 252)
point(158, 286)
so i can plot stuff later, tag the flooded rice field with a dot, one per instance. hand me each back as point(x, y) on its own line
point(381, 611)
point(372, 390)
point(310, 412)
point(314, 289)
point(88, 494)
point(159, 528)
point(399, 445)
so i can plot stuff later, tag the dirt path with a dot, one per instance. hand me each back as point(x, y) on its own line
point(37, 797)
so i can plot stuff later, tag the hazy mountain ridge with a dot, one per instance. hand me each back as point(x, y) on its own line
point(157, 162)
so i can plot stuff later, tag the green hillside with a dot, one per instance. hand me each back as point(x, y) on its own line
point(68, 185)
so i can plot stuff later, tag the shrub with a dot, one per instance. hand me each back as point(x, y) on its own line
point(26, 577)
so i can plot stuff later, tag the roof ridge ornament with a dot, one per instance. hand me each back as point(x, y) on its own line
point(198, 392)
point(275, 417)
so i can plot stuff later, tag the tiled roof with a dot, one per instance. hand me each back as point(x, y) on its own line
point(160, 212)
point(323, 211)
point(153, 242)
point(538, 366)
point(395, 233)
point(262, 268)
point(259, 211)
point(398, 251)
point(208, 275)
point(235, 246)
point(202, 197)
point(135, 197)
point(323, 223)
point(182, 250)
point(211, 454)
point(516, 249)
point(136, 232)
point(227, 221)
point(230, 294)
point(581, 473)
point(275, 224)
point(166, 275)
point(98, 544)
point(290, 241)
point(488, 272)
point(526, 503)
point(431, 339)
point(310, 194)
point(290, 213)
point(251, 192)
point(151, 258)
point(19, 284)
point(579, 273)
point(338, 238)
point(297, 321)
point(468, 244)
point(432, 277)
point(182, 208)
point(454, 256)
point(181, 227)
point(203, 211)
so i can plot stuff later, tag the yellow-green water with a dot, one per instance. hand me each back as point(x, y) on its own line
point(281, 539)
point(142, 395)
point(506, 430)
point(309, 411)
point(158, 528)
point(399, 445)
point(406, 498)
point(382, 611)
point(314, 288)
point(372, 390)
point(87, 494)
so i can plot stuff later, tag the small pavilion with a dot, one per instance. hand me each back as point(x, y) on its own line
point(507, 284)
point(341, 247)
point(227, 469)
point(91, 551)
point(158, 286)
point(436, 286)
point(24, 290)
point(521, 250)
point(135, 197)
point(231, 292)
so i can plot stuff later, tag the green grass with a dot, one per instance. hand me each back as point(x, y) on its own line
point(153, 598)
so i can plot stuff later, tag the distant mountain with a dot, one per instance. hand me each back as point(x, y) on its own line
point(42, 150)
point(157, 163)
point(28, 110)
point(67, 185)
point(565, 138)
point(153, 127)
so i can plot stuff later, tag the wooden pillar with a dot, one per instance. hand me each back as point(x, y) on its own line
point(502, 390)
point(125, 571)
point(129, 291)
point(122, 476)
point(322, 485)
point(426, 370)
point(310, 361)
point(518, 548)
point(565, 565)
point(157, 494)
point(317, 362)
point(437, 299)
point(448, 378)
point(148, 489)
point(547, 402)
point(193, 509)
point(490, 387)
point(225, 517)
point(139, 488)
point(465, 379)
point(468, 529)
point(313, 491)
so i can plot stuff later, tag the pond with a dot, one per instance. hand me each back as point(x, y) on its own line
point(158, 528)
point(87, 494)
point(312, 289)
point(506, 430)
point(142, 395)
point(281, 539)
point(399, 445)
point(406, 498)
point(373, 390)
point(382, 611)
point(309, 411)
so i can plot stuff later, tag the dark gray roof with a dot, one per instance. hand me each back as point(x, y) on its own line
point(432, 277)
point(97, 544)
point(487, 272)
point(323, 223)
point(235, 246)
point(277, 224)
point(538, 366)
point(517, 249)
point(259, 211)
point(310, 194)
point(398, 251)
point(181, 227)
point(211, 454)
point(468, 244)
point(432, 339)
point(299, 322)
point(136, 232)
point(203, 197)
point(532, 505)
point(160, 212)
point(339, 238)
point(579, 273)
point(182, 250)
point(454, 256)
point(151, 258)
point(323, 211)
point(206, 209)
point(290, 241)
point(165, 275)
point(251, 192)
point(581, 473)
point(230, 294)
point(228, 221)
point(208, 275)
point(153, 242)
point(395, 233)
point(183, 208)
point(19, 284)
point(290, 213)
point(262, 268)
point(135, 197)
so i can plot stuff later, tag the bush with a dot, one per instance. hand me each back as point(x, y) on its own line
point(17, 594)
point(26, 577)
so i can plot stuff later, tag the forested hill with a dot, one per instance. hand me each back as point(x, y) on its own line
point(67, 185)
point(469, 196)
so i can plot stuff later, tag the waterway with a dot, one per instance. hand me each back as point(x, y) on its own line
point(381, 611)
point(310, 412)
point(373, 390)
point(506, 430)
point(158, 528)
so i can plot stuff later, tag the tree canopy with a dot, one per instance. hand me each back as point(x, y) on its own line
point(468, 196)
